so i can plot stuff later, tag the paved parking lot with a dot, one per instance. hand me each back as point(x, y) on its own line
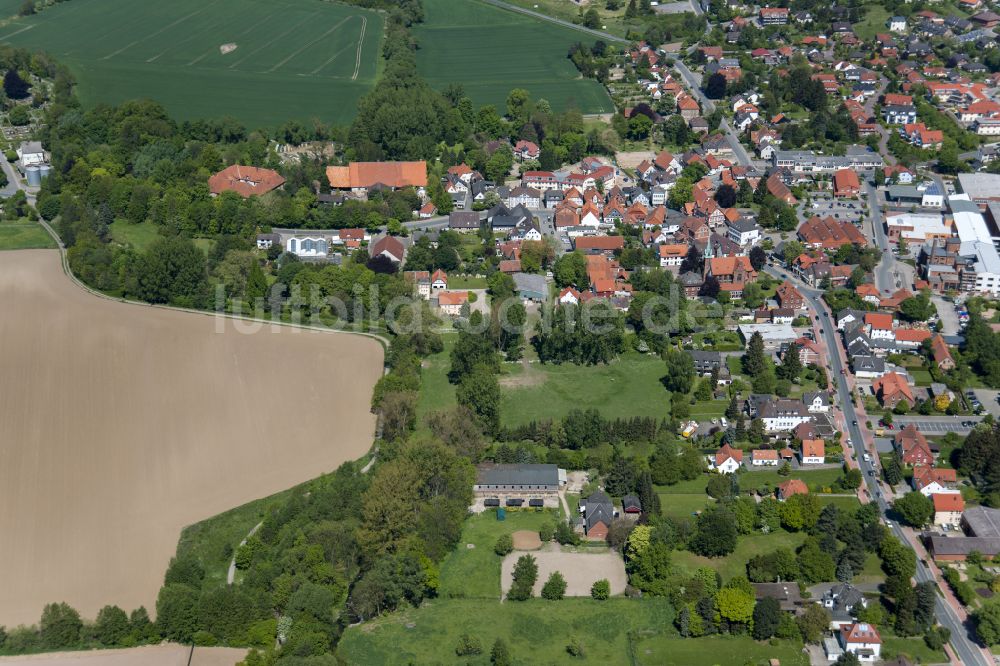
point(937, 426)
point(989, 399)
point(839, 210)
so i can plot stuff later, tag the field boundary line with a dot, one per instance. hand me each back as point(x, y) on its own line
point(552, 19)
point(361, 42)
point(276, 38)
point(154, 34)
point(381, 339)
point(18, 32)
point(308, 44)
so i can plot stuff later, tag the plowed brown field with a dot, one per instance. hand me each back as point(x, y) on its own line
point(121, 423)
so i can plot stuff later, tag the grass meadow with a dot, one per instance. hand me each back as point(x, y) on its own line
point(475, 572)
point(537, 631)
point(24, 235)
point(293, 60)
point(491, 50)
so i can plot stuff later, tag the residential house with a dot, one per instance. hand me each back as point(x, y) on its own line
point(672, 256)
point(783, 414)
point(879, 326)
point(706, 361)
point(892, 389)
point(816, 402)
point(941, 354)
point(829, 233)
point(764, 458)
point(913, 447)
point(266, 241)
point(867, 367)
point(569, 296)
point(843, 600)
point(727, 460)
point(790, 488)
point(388, 246)
point(948, 508)
point(863, 640)
point(931, 480)
point(451, 302)
point(598, 514)
point(789, 297)
point(813, 452)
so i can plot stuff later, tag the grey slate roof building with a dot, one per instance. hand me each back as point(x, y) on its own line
point(530, 286)
point(517, 477)
point(597, 508)
point(706, 361)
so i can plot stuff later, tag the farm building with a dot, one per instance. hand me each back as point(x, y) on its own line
point(360, 177)
point(515, 485)
point(246, 181)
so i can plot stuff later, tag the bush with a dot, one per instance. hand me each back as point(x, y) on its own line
point(555, 587)
point(575, 648)
point(500, 654)
point(601, 590)
point(546, 532)
point(504, 545)
point(203, 638)
point(468, 645)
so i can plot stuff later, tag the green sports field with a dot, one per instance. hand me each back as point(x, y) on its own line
point(490, 51)
point(293, 59)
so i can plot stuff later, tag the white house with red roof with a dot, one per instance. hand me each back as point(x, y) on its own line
point(569, 296)
point(439, 281)
point(726, 460)
point(863, 640)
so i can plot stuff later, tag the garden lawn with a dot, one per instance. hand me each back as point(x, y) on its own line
point(875, 20)
point(462, 282)
point(709, 409)
point(914, 647)
point(921, 376)
point(665, 650)
point(816, 479)
point(627, 387)
point(491, 51)
point(692, 487)
point(747, 545)
point(872, 571)
point(24, 235)
point(536, 631)
point(684, 505)
point(475, 572)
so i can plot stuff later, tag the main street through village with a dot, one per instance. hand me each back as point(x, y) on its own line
point(962, 640)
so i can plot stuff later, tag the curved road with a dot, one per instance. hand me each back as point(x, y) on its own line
point(967, 650)
point(551, 19)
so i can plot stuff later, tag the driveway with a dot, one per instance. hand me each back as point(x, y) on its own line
point(949, 318)
point(581, 570)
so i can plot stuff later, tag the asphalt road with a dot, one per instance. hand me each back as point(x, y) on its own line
point(961, 636)
point(708, 106)
point(521, 10)
point(885, 272)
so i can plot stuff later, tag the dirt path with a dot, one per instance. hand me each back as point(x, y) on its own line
point(153, 655)
point(124, 423)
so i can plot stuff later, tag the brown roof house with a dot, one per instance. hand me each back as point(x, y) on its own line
point(913, 447)
point(892, 389)
point(598, 513)
point(789, 297)
point(246, 181)
point(941, 353)
point(792, 487)
point(389, 246)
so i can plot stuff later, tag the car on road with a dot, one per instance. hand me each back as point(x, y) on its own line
point(968, 424)
point(855, 422)
point(871, 472)
point(843, 371)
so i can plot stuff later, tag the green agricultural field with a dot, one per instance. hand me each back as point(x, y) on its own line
point(293, 59)
point(537, 631)
point(24, 235)
point(490, 51)
point(475, 572)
